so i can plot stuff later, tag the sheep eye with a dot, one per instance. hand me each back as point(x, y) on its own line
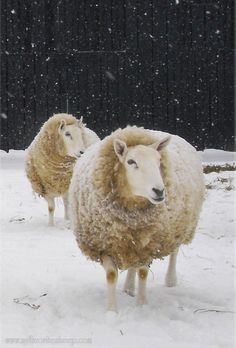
point(132, 162)
point(67, 134)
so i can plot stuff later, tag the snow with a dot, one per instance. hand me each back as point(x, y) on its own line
point(43, 266)
point(218, 156)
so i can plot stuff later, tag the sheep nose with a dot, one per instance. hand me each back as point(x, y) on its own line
point(81, 152)
point(158, 192)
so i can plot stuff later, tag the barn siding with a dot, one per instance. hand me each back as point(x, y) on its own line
point(161, 64)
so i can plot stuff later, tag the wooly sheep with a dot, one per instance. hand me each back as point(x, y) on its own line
point(136, 196)
point(52, 155)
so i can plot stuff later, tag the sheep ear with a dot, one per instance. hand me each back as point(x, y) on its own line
point(80, 122)
point(120, 148)
point(61, 126)
point(159, 145)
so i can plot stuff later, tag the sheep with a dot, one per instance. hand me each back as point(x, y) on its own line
point(52, 155)
point(136, 196)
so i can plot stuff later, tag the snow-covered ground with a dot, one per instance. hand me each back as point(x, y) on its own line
point(43, 266)
point(217, 156)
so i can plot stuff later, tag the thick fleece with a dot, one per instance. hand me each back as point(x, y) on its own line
point(48, 167)
point(107, 221)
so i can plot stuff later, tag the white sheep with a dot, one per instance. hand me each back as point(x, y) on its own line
point(52, 155)
point(136, 196)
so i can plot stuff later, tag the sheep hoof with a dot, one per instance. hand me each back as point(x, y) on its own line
point(50, 221)
point(142, 301)
point(129, 292)
point(68, 225)
point(171, 281)
point(111, 310)
point(111, 317)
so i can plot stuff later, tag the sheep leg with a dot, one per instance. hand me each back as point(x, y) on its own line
point(142, 282)
point(130, 282)
point(171, 277)
point(66, 205)
point(111, 275)
point(51, 209)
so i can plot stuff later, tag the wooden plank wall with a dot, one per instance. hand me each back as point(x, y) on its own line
point(162, 64)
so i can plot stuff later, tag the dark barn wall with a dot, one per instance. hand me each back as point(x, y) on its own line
point(161, 64)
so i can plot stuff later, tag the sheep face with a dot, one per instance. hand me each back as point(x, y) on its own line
point(73, 138)
point(142, 169)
